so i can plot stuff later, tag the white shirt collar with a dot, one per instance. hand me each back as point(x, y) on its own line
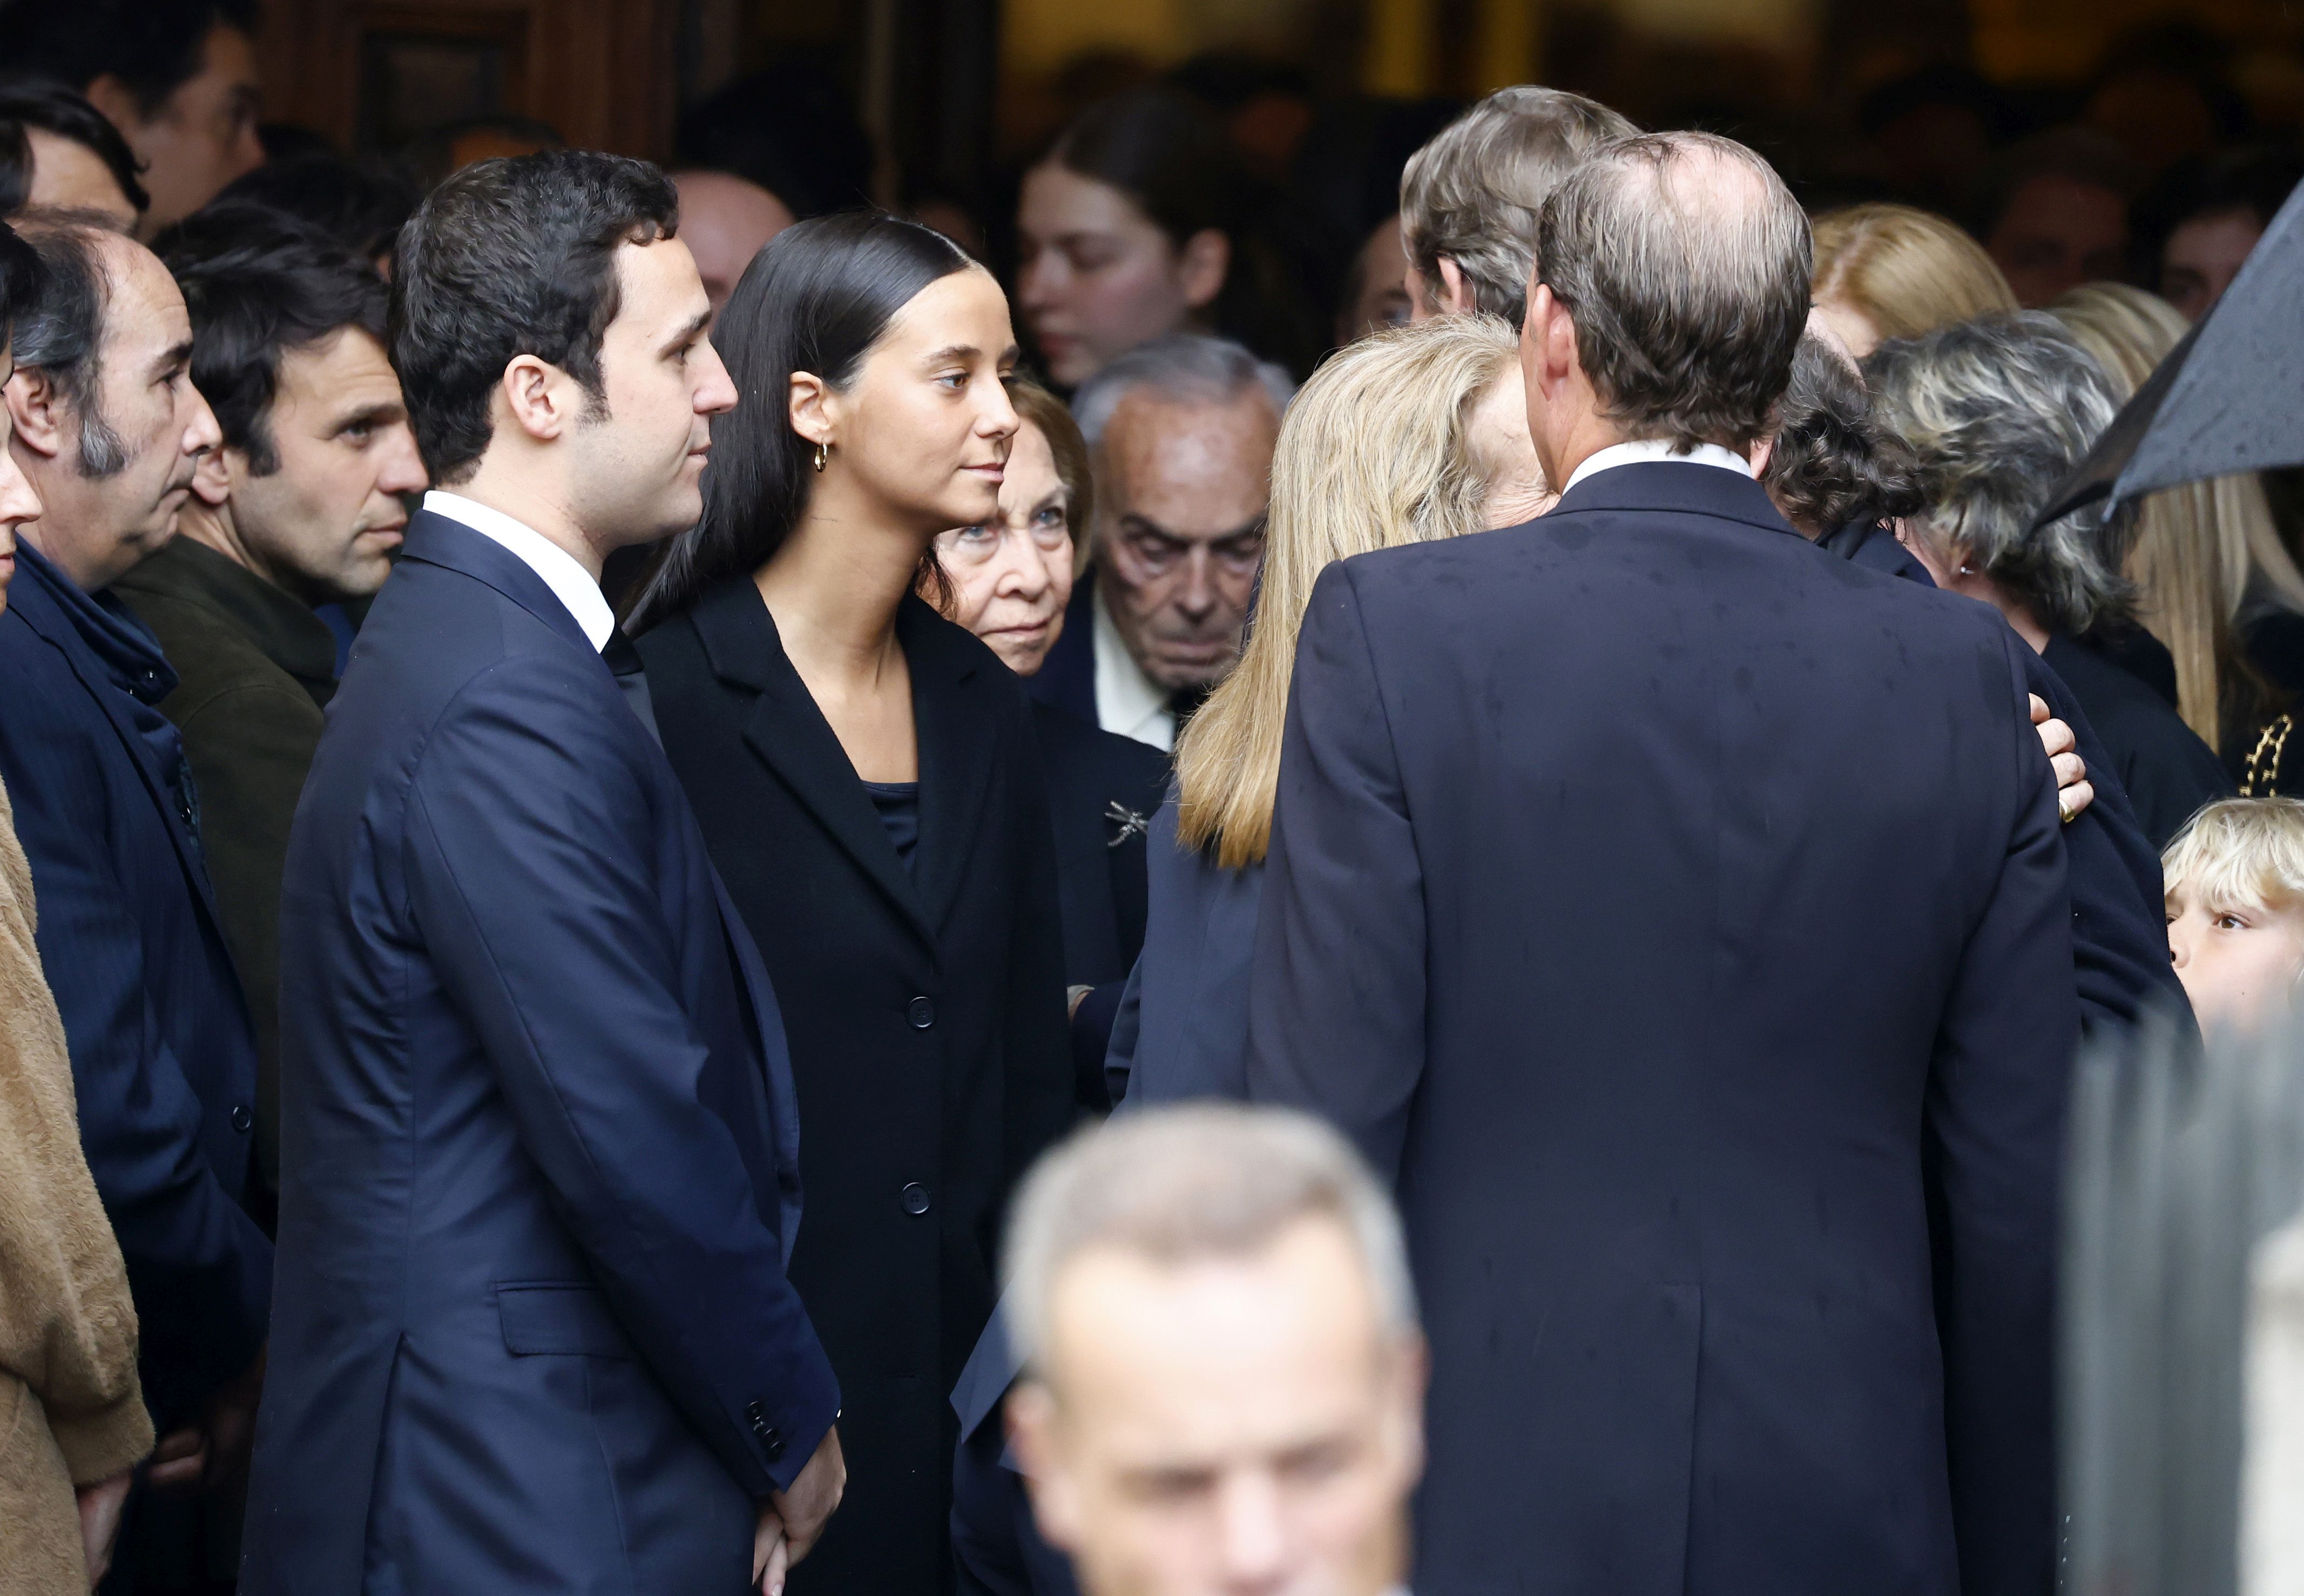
point(1641, 451)
point(569, 582)
point(1127, 701)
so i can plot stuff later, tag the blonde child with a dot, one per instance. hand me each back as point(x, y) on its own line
point(2235, 899)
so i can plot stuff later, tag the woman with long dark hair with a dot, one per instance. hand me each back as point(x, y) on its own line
point(866, 777)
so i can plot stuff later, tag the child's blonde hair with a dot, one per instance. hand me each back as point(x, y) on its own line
point(2247, 852)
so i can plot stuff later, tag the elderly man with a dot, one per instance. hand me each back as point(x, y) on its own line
point(1678, 914)
point(301, 507)
point(1468, 200)
point(108, 428)
point(1224, 1373)
point(177, 77)
point(1182, 431)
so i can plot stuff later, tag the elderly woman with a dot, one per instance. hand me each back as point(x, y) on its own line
point(1409, 436)
point(1996, 412)
point(1008, 580)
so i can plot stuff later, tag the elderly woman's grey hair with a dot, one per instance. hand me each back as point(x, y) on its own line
point(1996, 411)
point(1199, 1180)
point(1183, 365)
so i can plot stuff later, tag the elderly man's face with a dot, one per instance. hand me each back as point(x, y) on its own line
point(726, 221)
point(1226, 1426)
point(122, 462)
point(1182, 487)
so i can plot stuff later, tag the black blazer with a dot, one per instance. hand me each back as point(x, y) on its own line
point(925, 1015)
point(1677, 914)
point(2167, 772)
point(1103, 790)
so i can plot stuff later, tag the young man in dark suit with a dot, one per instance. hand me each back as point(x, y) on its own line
point(301, 506)
point(108, 427)
point(1678, 916)
point(540, 1154)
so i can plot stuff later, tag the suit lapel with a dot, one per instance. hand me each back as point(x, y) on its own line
point(795, 741)
point(949, 697)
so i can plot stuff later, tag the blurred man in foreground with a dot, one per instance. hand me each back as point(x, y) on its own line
point(1224, 1376)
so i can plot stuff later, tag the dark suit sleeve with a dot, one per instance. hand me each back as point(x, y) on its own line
point(1994, 1121)
point(531, 852)
point(199, 1269)
point(249, 749)
point(1336, 1009)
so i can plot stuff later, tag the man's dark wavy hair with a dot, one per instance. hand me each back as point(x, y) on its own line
point(258, 285)
point(513, 256)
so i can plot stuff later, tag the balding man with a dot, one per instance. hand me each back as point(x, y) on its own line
point(725, 220)
point(1678, 914)
point(1224, 1376)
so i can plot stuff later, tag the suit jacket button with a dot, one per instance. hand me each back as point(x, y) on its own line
point(241, 1119)
point(921, 1012)
point(916, 1198)
point(772, 1444)
point(758, 1414)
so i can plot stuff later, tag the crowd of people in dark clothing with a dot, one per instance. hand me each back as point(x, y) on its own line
point(557, 716)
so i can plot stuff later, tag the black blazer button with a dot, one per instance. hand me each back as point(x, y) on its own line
point(916, 1198)
point(921, 1012)
point(241, 1119)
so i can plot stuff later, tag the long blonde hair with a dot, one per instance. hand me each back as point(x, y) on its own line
point(1373, 453)
point(2202, 550)
point(1909, 271)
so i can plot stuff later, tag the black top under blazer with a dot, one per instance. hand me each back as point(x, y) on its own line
point(1677, 914)
point(925, 1010)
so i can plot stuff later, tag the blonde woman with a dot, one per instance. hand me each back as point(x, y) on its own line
point(2211, 574)
point(1409, 436)
point(1891, 270)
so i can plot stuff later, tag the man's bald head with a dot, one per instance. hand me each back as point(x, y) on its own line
point(725, 220)
point(1683, 262)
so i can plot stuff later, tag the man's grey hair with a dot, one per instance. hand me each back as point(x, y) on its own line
point(1185, 366)
point(1683, 262)
point(1198, 1181)
point(60, 333)
point(1473, 194)
point(1996, 411)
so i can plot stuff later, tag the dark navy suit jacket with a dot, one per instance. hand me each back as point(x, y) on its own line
point(1676, 914)
point(539, 1166)
point(162, 1059)
point(1066, 678)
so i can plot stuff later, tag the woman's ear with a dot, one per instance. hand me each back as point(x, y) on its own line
point(812, 408)
point(1203, 266)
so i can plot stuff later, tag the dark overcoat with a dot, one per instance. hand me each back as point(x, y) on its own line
point(925, 1011)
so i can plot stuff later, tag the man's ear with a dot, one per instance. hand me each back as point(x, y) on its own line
point(1456, 296)
point(1031, 1419)
point(110, 96)
point(1201, 270)
point(544, 400)
point(35, 409)
point(212, 476)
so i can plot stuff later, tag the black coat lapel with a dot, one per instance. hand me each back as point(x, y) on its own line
point(955, 719)
point(792, 736)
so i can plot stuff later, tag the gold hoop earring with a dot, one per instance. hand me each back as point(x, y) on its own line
point(823, 452)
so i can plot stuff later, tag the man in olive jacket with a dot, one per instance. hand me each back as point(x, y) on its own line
point(301, 507)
